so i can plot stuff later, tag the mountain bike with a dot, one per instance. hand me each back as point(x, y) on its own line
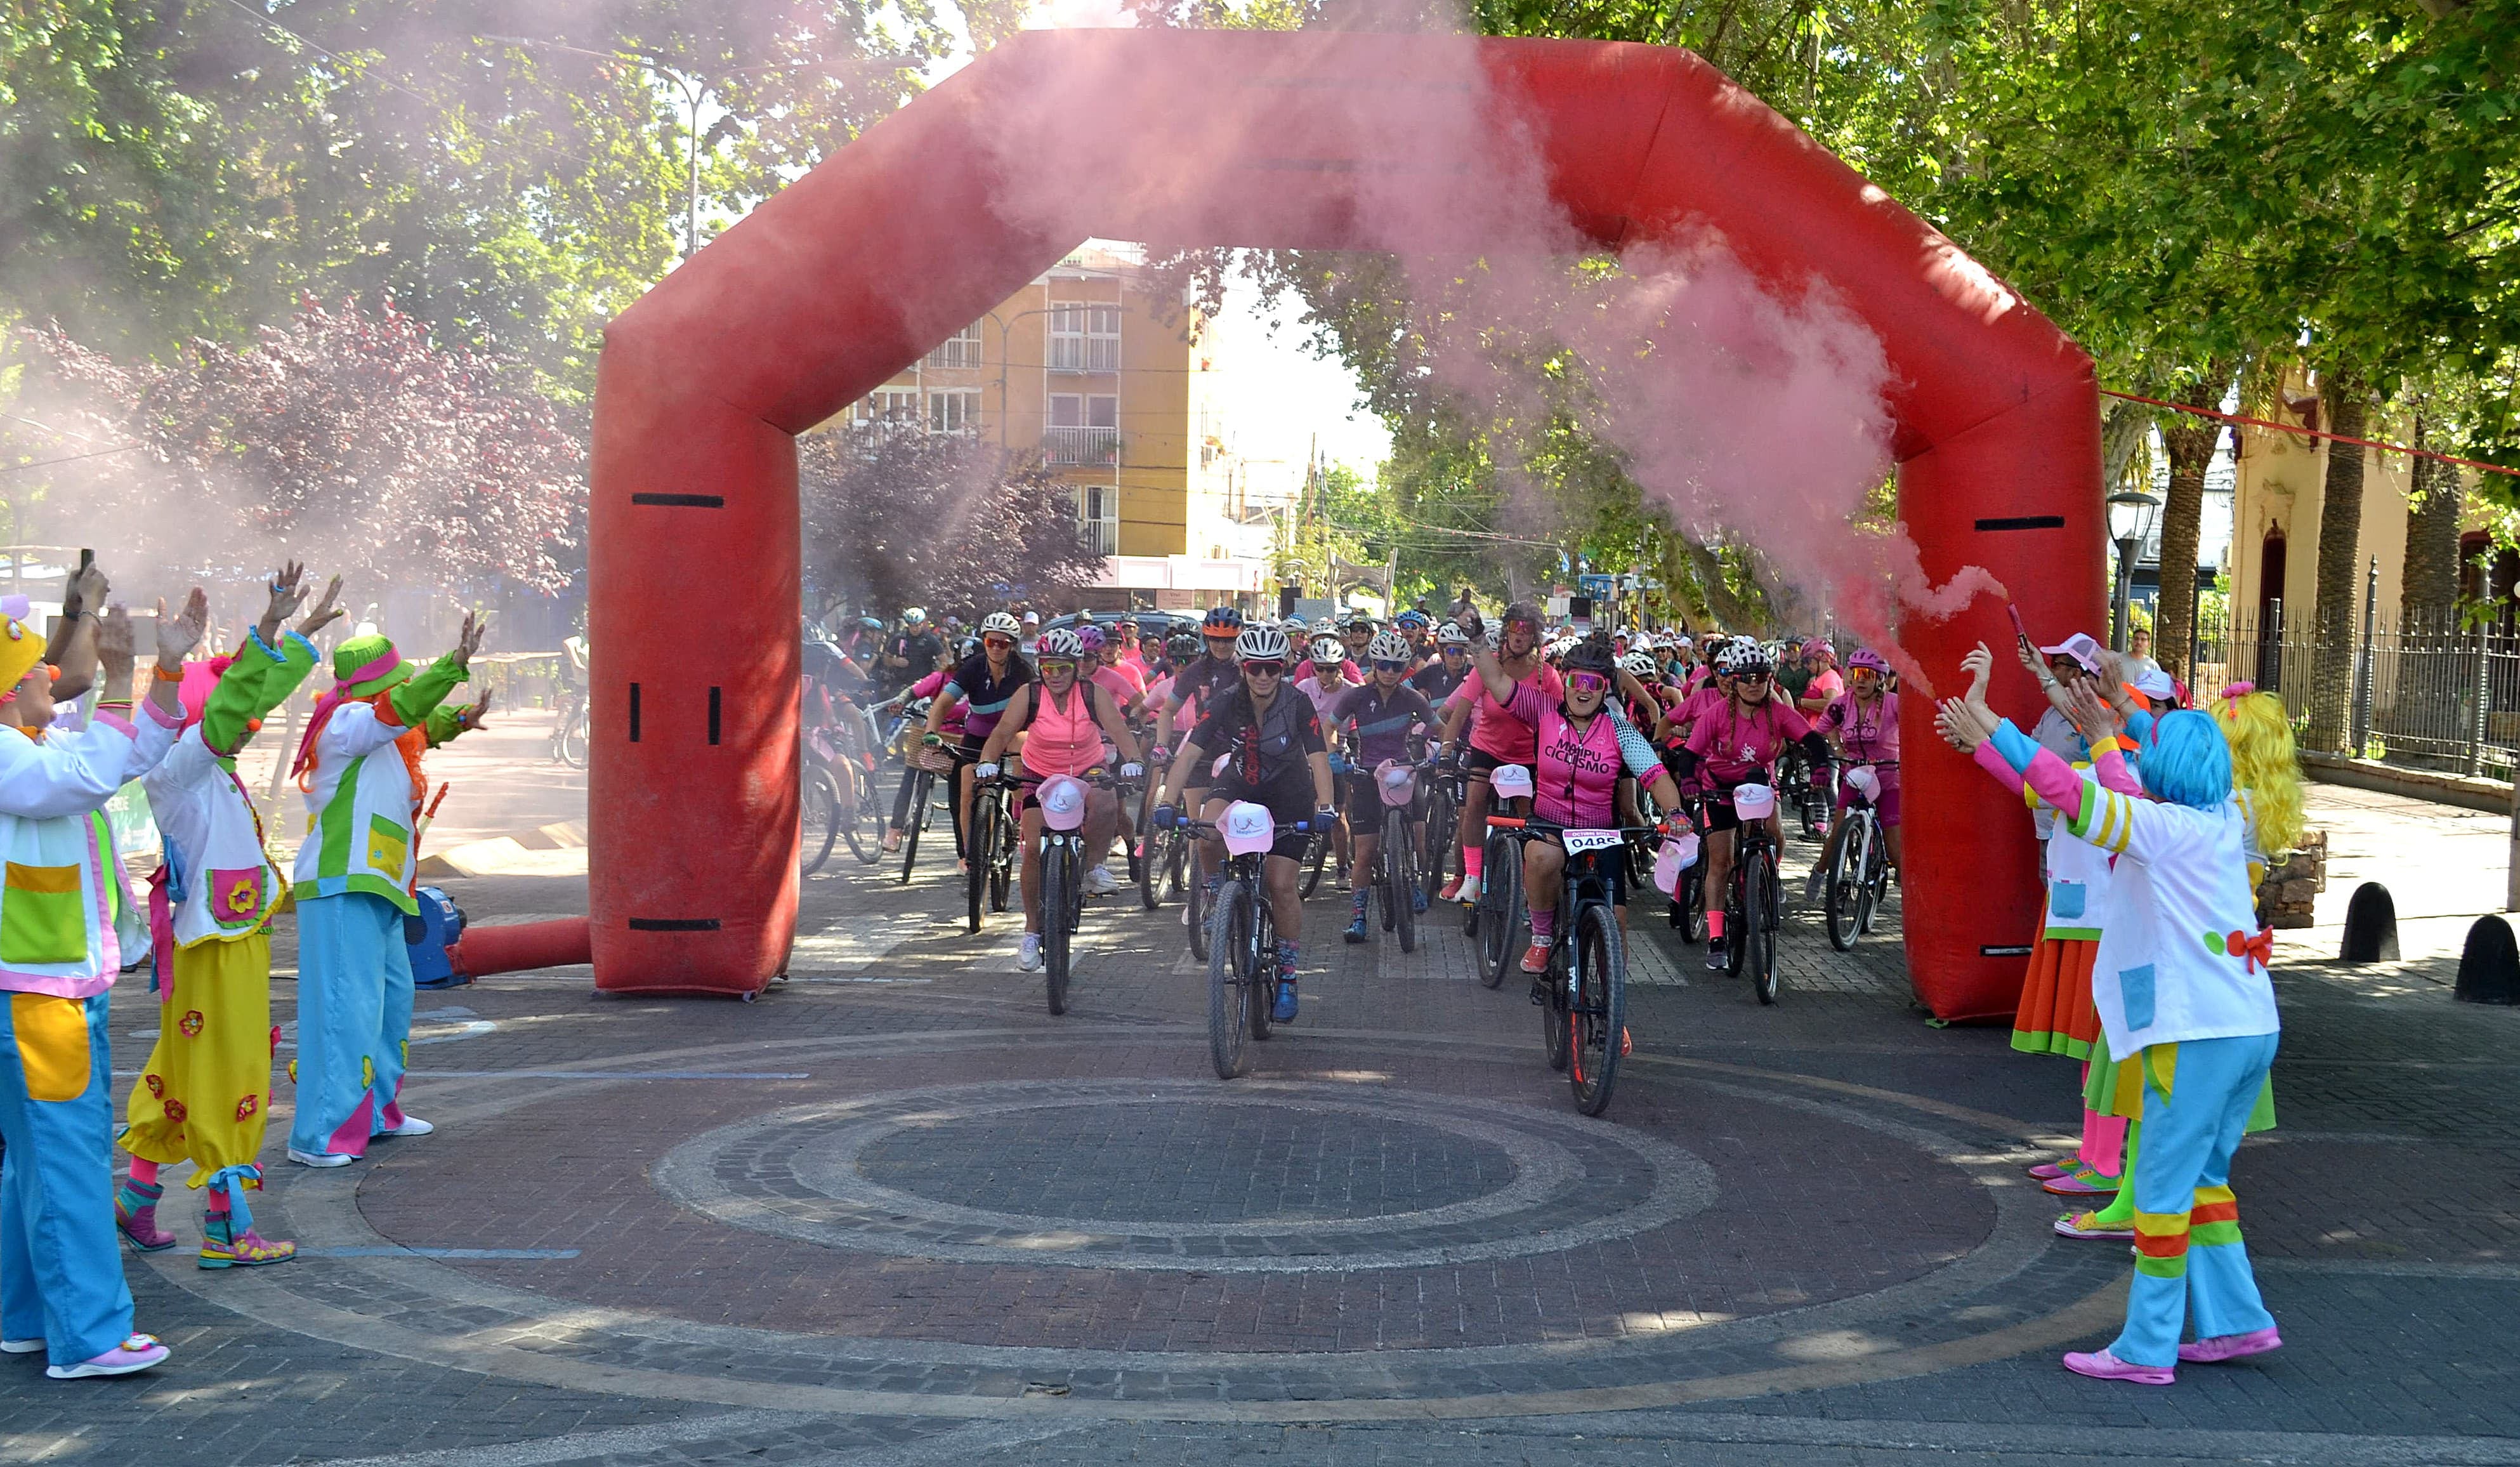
point(1162, 858)
point(1242, 936)
point(1754, 893)
point(922, 766)
point(1583, 996)
point(1811, 799)
point(1859, 878)
point(1442, 827)
point(1061, 798)
point(1687, 908)
point(568, 735)
point(1395, 855)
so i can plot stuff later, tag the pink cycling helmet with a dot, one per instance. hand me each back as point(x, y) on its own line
point(1091, 636)
point(1814, 647)
point(1865, 656)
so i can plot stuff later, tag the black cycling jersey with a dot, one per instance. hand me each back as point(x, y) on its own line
point(1204, 678)
point(1437, 681)
point(1266, 747)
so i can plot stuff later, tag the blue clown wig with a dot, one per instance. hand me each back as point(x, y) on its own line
point(2187, 761)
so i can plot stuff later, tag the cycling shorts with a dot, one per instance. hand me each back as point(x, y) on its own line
point(1361, 801)
point(1478, 764)
point(1885, 806)
point(1288, 805)
point(1614, 866)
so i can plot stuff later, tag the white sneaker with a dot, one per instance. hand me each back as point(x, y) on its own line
point(1099, 881)
point(319, 1158)
point(20, 1346)
point(1028, 956)
point(412, 1125)
point(1470, 892)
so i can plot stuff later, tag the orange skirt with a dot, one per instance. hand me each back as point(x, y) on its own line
point(2057, 1016)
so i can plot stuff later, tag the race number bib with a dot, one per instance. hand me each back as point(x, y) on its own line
point(1579, 840)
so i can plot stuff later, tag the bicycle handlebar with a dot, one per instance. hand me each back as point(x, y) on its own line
point(1533, 825)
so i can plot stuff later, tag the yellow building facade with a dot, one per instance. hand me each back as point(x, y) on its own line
point(1112, 384)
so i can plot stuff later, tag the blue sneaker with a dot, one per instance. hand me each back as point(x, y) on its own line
point(1416, 899)
point(1355, 932)
point(1284, 1010)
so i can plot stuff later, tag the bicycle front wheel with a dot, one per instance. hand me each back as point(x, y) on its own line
point(817, 817)
point(1315, 857)
point(1442, 829)
point(1842, 889)
point(572, 740)
point(1155, 845)
point(980, 867)
point(1264, 959)
point(1758, 939)
point(1597, 1024)
point(1400, 891)
point(1057, 893)
point(914, 821)
point(1230, 993)
point(1195, 911)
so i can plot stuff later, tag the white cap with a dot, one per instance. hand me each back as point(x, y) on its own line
point(2085, 652)
point(2152, 682)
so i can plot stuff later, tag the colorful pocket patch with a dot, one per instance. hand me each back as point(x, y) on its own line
point(236, 899)
point(2134, 988)
point(41, 920)
point(52, 1045)
point(2066, 898)
point(388, 845)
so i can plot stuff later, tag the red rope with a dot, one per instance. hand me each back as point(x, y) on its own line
point(2313, 433)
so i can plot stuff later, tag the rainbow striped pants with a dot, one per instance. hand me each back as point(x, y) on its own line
point(2190, 1265)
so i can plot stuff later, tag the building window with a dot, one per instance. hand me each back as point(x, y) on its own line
point(889, 405)
point(958, 351)
point(1084, 430)
point(1085, 338)
point(957, 411)
point(1097, 507)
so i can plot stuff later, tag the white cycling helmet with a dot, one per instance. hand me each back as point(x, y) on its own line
point(1742, 656)
point(1387, 647)
point(1001, 623)
point(1325, 626)
point(1451, 634)
point(1264, 643)
point(1328, 652)
point(1060, 644)
point(914, 617)
point(1640, 666)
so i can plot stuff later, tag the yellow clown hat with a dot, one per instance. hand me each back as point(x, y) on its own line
point(21, 647)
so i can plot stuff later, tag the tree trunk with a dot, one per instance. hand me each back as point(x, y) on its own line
point(2190, 443)
point(2431, 581)
point(2340, 550)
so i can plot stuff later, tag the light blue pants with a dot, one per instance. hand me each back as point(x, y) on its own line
point(2189, 1259)
point(354, 998)
point(61, 1265)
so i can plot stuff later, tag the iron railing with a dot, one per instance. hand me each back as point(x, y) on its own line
point(1081, 447)
point(2427, 691)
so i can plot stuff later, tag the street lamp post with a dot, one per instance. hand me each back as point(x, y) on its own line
point(2131, 516)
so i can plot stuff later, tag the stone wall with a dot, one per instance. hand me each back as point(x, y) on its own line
point(2284, 899)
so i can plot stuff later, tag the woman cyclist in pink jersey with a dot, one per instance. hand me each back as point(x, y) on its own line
point(1065, 721)
point(1497, 737)
point(1864, 721)
point(1582, 748)
point(1739, 742)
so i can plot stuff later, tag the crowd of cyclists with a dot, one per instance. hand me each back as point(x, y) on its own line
point(1614, 729)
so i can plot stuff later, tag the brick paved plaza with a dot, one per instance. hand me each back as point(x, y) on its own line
point(895, 1213)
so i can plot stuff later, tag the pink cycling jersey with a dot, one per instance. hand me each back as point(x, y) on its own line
point(1736, 745)
point(1498, 733)
point(1060, 737)
point(1576, 780)
point(1867, 733)
point(933, 684)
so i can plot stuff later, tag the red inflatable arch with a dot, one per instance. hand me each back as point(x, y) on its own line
point(1216, 137)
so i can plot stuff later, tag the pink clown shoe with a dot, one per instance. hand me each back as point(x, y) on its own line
point(2232, 1347)
point(139, 1225)
point(2099, 1364)
point(2082, 1182)
point(138, 1353)
point(2048, 1170)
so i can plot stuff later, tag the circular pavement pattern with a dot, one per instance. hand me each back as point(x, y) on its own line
point(1286, 1177)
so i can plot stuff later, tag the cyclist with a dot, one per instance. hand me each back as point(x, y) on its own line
point(1065, 721)
point(1583, 748)
point(1385, 717)
point(1342, 669)
point(1273, 756)
point(1737, 742)
point(1495, 736)
point(1437, 679)
point(1822, 687)
point(983, 683)
point(1418, 629)
point(1358, 633)
point(1332, 678)
point(1865, 719)
point(1197, 683)
point(911, 654)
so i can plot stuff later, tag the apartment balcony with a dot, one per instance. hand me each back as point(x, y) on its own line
point(1070, 354)
point(1104, 535)
point(1080, 447)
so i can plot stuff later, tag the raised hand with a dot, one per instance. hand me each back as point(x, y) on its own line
point(470, 717)
point(2092, 715)
point(288, 594)
point(1962, 726)
point(324, 612)
point(113, 638)
point(2031, 660)
point(1980, 667)
point(177, 636)
point(470, 641)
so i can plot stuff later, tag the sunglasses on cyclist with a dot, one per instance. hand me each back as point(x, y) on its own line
point(1000, 644)
point(1063, 666)
point(1587, 682)
point(1384, 666)
point(1457, 651)
point(1263, 668)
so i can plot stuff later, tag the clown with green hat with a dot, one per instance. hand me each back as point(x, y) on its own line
point(359, 766)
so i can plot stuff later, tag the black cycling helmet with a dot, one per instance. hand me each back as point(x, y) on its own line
point(1221, 620)
point(1594, 654)
point(1182, 646)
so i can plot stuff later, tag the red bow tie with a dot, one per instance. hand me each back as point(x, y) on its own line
point(2254, 952)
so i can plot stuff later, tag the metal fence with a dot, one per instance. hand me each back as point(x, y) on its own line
point(2427, 692)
